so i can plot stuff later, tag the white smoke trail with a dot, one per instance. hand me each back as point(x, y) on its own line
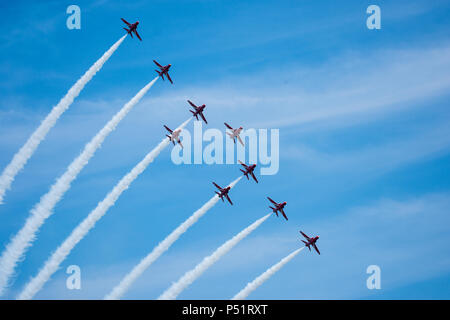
point(263, 277)
point(21, 157)
point(175, 289)
point(44, 209)
point(88, 223)
point(162, 247)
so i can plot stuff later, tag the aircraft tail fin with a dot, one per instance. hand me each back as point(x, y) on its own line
point(126, 30)
point(170, 138)
point(194, 114)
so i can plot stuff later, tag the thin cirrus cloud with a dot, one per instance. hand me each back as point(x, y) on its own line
point(350, 87)
point(383, 157)
point(394, 233)
point(345, 91)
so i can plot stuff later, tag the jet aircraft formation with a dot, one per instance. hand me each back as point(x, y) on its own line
point(234, 134)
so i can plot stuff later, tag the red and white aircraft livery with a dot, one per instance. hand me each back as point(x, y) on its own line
point(278, 207)
point(198, 111)
point(310, 242)
point(164, 70)
point(248, 170)
point(234, 133)
point(132, 27)
point(174, 135)
point(223, 193)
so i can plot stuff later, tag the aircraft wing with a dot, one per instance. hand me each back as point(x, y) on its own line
point(192, 104)
point(157, 64)
point(217, 186)
point(284, 214)
point(167, 128)
point(126, 22)
point(203, 117)
point(168, 77)
point(273, 202)
point(253, 175)
point(315, 247)
point(243, 164)
point(228, 126)
point(305, 235)
point(137, 34)
point(240, 140)
point(229, 200)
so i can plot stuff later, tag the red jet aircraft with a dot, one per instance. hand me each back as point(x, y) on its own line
point(310, 242)
point(164, 70)
point(278, 207)
point(223, 192)
point(132, 28)
point(198, 111)
point(248, 170)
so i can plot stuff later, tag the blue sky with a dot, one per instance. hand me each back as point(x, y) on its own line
point(364, 143)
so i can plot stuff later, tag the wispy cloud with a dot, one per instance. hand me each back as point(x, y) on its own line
point(406, 237)
point(344, 91)
point(392, 233)
point(376, 158)
point(350, 87)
